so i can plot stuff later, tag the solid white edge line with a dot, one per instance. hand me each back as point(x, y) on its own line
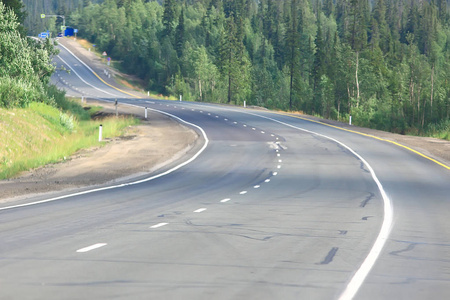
point(360, 275)
point(158, 225)
point(92, 247)
point(130, 183)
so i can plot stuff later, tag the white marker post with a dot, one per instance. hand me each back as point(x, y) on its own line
point(116, 104)
point(100, 129)
point(145, 112)
point(148, 93)
point(245, 104)
point(350, 121)
point(181, 98)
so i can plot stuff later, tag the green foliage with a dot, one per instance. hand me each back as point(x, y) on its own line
point(384, 62)
point(25, 65)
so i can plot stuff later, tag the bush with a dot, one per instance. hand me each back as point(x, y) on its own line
point(15, 92)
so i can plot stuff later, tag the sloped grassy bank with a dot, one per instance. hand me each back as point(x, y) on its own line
point(41, 134)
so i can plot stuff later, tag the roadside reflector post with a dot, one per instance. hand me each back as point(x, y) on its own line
point(350, 121)
point(181, 98)
point(115, 104)
point(100, 129)
point(148, 93)
point(245, 104)
point(145, 112)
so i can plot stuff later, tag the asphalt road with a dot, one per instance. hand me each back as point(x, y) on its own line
point(266, 206)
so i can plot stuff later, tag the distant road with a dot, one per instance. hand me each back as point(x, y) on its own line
point(269, 206)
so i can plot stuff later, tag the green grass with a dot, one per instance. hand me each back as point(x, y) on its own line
point(41, 134)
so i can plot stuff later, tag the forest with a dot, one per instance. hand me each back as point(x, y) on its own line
point(386, 63)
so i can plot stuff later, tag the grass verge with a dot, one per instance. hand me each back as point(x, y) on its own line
point(41, 134)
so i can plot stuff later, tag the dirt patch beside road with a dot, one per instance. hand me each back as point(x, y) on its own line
point(142, 150)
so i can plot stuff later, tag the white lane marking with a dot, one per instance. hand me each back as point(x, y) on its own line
point(278, 167)
point(225, 119)
point(278, 154)
point(275, 173)
point(92, 247)
point(272, 135)
point(257, 186)
point(244, 125)
point(253, 128)
point(75, 72)
point(175, 106)
point(159, 225)
point(209, 114)
point(225, 200)
point(267, 180)
point(262, 132)
point(358, 278)
point(150, 102)
point(205, 145)
point(234, 122)
point(200, 210)
point(217, 116)
point(183, 108)
point(201, 111)
point(243, 192)
point(280, 161)
point(277, 138)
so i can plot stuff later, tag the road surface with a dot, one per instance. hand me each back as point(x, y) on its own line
point(267, 206)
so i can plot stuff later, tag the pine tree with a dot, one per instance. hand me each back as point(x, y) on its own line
point(179, 35)
point(169, 16)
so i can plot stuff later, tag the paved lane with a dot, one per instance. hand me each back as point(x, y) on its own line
point(265, 211)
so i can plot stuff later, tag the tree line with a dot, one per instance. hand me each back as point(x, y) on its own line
point(384, 62)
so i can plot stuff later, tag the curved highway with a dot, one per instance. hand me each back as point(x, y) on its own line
point(266, 206)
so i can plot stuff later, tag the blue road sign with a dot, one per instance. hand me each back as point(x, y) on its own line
point(43, 35)
point(75, 30)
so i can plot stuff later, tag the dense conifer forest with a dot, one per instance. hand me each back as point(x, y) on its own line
point(384, 62)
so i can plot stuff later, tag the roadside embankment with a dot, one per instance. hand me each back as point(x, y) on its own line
point(138, 150)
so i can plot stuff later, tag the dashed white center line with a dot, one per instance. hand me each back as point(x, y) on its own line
point(272, 135)
point(217, 116)
point(267, 180)
point(201, 111)
point(253, 128)
point(244, 125)
point(280, 161)
point(225, 200)
point(158, 225)
point(225, 119)
point(89, 248)
point(200, 210)
point(257, 186)
point(262, 132)
point(278, 167)
point(234, 122)
point(278, 154)
point(209, 114)
point(275, 173)
point(243, 192)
